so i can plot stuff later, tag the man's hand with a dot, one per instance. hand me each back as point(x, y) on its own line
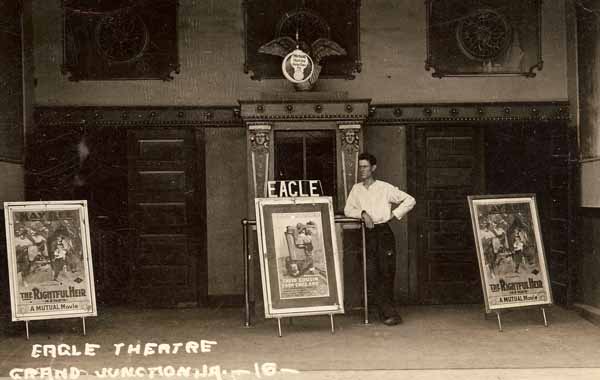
point(367, 219)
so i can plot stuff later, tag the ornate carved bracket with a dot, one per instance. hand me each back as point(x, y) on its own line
point(260, 141)
point(350, 138)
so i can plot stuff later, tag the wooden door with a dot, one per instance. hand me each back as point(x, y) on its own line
point(563, 197)
point(11, 84)
point(166, 214)
point(448, 167)
point(538, 158)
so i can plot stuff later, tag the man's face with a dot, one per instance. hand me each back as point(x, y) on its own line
point(365, 169)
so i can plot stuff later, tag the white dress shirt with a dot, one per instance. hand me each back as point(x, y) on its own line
point(377, 200)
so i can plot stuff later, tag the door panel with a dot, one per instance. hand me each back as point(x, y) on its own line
point(448, 168)
point(537, 158)
point(563, 198)
point(164, 183)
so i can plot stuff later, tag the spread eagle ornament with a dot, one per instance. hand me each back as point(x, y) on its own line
point(318, 49)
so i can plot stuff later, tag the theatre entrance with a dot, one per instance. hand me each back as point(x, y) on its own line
point(305, 138)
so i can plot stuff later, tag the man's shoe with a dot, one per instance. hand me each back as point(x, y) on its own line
point(392, 320)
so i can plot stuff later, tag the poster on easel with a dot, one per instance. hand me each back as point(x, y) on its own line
point(299, 263)
point(510, 251)
point(49, 260)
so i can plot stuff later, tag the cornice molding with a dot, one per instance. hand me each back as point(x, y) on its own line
point(343, 111)
point(219, 116)
point(467, 112)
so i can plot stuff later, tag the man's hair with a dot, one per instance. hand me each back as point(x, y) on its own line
point(369, 157)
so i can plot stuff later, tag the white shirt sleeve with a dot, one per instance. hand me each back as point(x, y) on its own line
point(405, 202)
point(353, 208)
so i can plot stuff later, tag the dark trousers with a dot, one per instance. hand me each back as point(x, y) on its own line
point(57, 266)
point(381, 267)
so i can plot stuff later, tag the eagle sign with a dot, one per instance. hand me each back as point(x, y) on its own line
point(302, 63)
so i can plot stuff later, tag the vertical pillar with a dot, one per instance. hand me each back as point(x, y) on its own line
point(351, 144)
point(259, 153)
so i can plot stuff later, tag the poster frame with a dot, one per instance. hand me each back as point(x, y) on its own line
point(475, 201)
point(275, 305)
point(89, 307)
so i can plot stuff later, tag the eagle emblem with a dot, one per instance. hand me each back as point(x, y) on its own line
point(317, 50)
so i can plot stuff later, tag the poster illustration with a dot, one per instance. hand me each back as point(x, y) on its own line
point(299, 263)
point(510, 251)
point(49, 260)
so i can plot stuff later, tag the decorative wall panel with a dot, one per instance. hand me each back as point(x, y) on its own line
point(259, 145)
point(120, 39)
point(351, 143)
point(483, 37)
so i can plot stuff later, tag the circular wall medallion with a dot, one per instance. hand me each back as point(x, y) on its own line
point(297, 66)
point(121, 37)
point(483, 35)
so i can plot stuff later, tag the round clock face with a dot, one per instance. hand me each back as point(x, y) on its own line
point(309, 25)
point(484, 35)
point(121, 37)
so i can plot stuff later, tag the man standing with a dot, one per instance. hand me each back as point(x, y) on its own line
point(373, 200)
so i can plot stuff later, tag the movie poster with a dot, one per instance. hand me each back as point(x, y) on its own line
point(300, 267)
point(510, 251)
point(50, 267)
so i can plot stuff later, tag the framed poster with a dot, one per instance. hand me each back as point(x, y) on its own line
point(510, 251)
point(484, 37)
point(49, 260)
point(298, 256)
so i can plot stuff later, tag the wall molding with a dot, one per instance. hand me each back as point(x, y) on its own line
point(467, 112)
point(344, 110)
point(305, 109)
point(218, 116)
